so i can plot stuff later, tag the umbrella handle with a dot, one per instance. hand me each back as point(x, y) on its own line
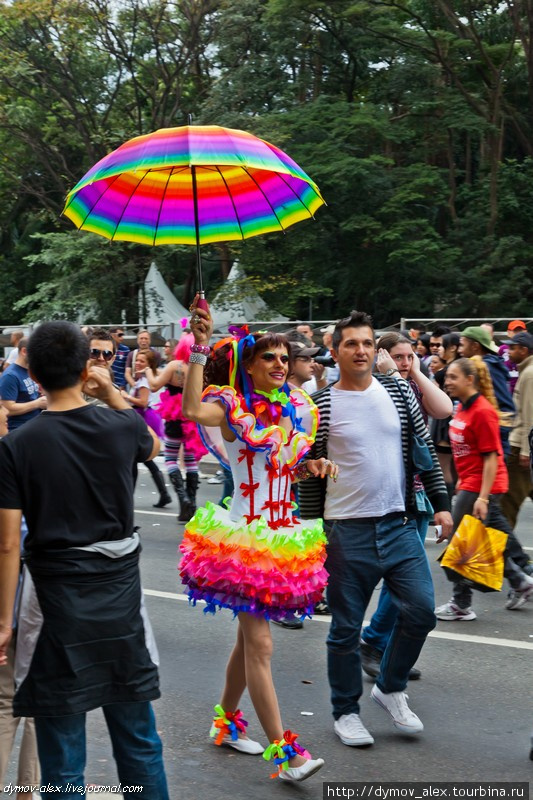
point(202, 302)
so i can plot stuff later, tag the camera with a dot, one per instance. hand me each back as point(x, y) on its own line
point(325, 360)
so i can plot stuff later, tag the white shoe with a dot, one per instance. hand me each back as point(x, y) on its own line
point(247, 746)
point(351, 731)
point(298, 774)
point(395, 704)
point(451, 612)
point(519, 597)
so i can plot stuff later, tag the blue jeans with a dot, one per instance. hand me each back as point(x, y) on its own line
point(137, 750)
point(379, 631)
point(359, 553)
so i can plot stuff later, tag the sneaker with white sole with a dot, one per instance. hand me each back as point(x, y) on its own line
point(519, 597)
point(449, 611)
point(351, 731)
point(395, 704)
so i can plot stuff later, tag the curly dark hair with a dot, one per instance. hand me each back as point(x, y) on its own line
point(217, 368)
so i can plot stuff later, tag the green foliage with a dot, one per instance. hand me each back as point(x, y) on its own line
point(414, 117)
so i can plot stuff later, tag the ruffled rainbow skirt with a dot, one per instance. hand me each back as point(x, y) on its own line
point(251, 567)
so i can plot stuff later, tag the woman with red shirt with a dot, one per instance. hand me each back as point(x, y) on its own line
point(478, 458)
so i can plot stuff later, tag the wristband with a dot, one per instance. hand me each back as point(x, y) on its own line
point(198, 358)
point(204, 349)
point(484, 500)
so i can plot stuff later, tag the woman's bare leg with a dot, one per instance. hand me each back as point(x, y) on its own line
point(235, 676)
point(257, 655)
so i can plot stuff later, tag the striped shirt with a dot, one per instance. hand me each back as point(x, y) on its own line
point(119, 364)
point(312, 492)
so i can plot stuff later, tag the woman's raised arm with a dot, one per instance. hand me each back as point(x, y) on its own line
point(209, 414)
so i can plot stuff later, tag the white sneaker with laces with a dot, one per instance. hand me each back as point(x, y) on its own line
point(351, 731)
point(247, 746)
point(449, 611)
point(395, 704)
point(519, 597)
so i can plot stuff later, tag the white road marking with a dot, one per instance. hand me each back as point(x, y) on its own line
point(455, 637)
point(156, 513)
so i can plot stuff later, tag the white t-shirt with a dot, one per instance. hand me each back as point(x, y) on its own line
point(153, 397)
point(331, 375)
point(13, 355)
point(365, 440)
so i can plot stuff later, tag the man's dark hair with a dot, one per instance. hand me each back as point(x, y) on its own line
point(22, 343)
point(356, 319)
point(104, 336)
point(441, 330)
point(295, 336)
point(116, 328)
point(57, 355)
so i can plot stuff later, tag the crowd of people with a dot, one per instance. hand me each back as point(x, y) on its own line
point(336, 457)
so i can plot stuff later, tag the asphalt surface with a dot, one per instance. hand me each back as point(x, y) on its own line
point(474, 696)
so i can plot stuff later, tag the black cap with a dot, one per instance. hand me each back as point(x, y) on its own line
point(524, 339)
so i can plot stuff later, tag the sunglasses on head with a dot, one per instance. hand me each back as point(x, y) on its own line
point(107, 355)
point(271, 357)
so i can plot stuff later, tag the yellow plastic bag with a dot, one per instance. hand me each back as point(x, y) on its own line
point(476, 553)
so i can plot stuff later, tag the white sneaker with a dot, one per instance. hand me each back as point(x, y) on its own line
point(395, 704)
point(351, 731)
point(449, 611)
point(298, 774)
point(247, 746)
point(519, 597)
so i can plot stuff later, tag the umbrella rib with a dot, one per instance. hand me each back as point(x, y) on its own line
point(90, 211)
point(295, 194)
point(232, 202)
point(264, 195)
point(171, 172)
point(127, 203)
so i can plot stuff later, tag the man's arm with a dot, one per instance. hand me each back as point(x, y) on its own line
point(526, 415)
point(15, 409)
point(433, 479)
point(10, 521)
point(130, 380)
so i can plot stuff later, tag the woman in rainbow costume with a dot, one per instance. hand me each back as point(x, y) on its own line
point(256, 558)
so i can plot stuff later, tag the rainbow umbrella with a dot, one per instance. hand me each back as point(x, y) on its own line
point(192, 185)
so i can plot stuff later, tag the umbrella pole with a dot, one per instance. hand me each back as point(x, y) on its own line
point(202, 302)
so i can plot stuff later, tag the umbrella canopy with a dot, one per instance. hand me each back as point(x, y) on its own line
point(192, 185)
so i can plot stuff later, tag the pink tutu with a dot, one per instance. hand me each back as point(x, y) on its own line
point(169, 408)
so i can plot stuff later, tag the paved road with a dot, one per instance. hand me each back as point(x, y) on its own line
point(474, 696)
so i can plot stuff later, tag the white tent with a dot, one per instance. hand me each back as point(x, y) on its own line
point(163, 309)
point(250, 307)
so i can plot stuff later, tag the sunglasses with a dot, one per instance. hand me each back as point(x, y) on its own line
point(271, 357)
point(95, 353)
point(120, 335)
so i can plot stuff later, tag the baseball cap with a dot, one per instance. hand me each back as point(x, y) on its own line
point(524, 339)
point(300, 349)
point(328, 329)
point(516, 324)
point(480, 335)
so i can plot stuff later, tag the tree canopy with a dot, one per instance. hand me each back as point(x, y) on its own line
point(414, 117)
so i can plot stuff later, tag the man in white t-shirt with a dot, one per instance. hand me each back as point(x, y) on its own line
point(369, 517)
point(14, 340)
